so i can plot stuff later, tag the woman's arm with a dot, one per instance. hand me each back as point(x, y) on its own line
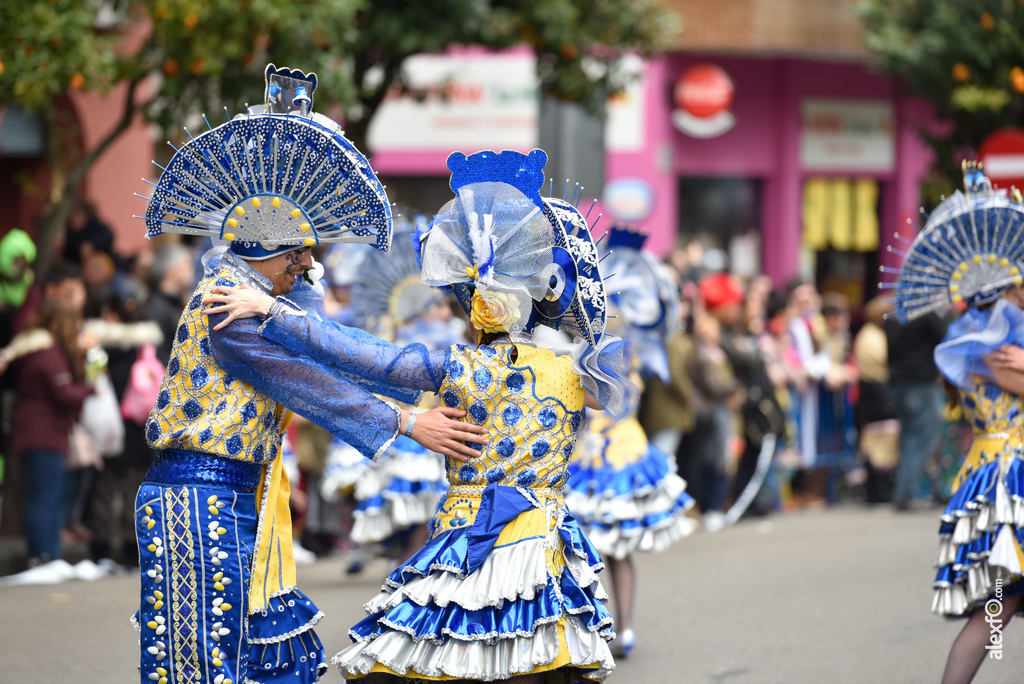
point(328, 398)
point(1008, 378)
point(351, 350)
point(1008, 357)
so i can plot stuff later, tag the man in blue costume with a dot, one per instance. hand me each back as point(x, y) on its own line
point(219, 601)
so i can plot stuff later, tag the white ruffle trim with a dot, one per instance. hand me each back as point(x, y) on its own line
point(135, 623)
point(613, 543)
point(508, 573)
point(293, 633)
point(611, 540)
point(479, 660)
point(1001, 563)
point(428, 467)
point(398, 512)
point(959, 598)
point(639, 505)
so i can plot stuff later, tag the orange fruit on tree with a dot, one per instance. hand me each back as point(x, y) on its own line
point(961, 72)
point(77, 81)
point(1017, 79)
point(170, 67)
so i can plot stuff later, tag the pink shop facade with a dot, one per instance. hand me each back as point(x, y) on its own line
point(745, 152)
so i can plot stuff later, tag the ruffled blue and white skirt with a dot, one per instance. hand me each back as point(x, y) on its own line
point(196, 541)
point(625, 492)
point(506, 586)
point(981, 536)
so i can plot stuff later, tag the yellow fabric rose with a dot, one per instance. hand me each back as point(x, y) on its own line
point(495, 314)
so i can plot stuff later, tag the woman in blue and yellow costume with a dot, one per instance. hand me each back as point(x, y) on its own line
point(397, 494)
point(219, 598)
point(972, 251)
point(506, 589)
point(623, 490)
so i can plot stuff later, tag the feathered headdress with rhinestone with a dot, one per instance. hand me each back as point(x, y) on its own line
point(970, 250)
point(277, 178)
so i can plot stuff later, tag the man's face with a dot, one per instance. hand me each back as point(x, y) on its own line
point(1015, 295)
point(284, 270)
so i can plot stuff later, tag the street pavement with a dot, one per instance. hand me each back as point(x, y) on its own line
point(840, 595)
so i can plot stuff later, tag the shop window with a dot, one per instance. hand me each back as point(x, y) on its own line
point(841, 235)
point(725, 214)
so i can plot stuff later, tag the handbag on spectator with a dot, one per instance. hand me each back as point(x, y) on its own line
point(82, 451)
point(102, 419)
point(143, 387)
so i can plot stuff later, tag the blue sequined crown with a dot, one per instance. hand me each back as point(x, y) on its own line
point(277, 178)
point(525, 172)
point(970, 250)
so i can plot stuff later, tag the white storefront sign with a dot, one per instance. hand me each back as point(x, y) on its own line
point(847, 135)
point(624, 129)
point(473, 102)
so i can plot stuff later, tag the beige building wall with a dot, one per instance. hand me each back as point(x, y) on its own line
point(804, 27)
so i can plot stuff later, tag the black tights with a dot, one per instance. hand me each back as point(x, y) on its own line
point(969, 650)
point(624, 587)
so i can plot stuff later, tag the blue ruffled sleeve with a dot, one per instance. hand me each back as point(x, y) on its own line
point(307, 386)
point(359, 353)
point(971, 337)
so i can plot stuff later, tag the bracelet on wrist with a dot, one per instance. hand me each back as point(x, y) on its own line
point(274, 309)
point(410, 424)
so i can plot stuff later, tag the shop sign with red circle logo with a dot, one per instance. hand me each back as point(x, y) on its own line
point(1002, 154)
point(703, 98)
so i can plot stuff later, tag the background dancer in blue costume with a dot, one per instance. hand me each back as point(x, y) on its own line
point(506, 588)
point(972, 251)
point(219, 601)
point(623, 490)
point(396, 495)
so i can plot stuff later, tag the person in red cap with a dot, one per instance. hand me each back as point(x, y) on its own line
point(761, 413)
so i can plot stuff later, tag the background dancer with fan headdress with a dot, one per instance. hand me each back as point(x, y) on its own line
point(396, 495)
point(219, 597)
point(623, 490)
point(506, 588)
point(971, 251)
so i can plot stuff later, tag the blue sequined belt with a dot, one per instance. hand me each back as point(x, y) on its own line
point(196, 469)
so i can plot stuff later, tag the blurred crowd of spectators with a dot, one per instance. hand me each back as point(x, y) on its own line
point(854, 416)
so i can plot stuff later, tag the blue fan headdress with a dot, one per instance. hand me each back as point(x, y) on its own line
point(530, 258)
point(388, 286)
point(970, 250)
point(277, 178)
point(646, 304)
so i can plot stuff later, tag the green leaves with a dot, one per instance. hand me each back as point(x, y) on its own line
point(964, 56)
point(47, 48)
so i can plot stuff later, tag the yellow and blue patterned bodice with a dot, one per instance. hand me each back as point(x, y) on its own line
point(607, 442)
point(990, 409)
point(202, 408)
point(532, 407)
point(997, 419)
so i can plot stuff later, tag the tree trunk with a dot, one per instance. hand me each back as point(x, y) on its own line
point(64, 188)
